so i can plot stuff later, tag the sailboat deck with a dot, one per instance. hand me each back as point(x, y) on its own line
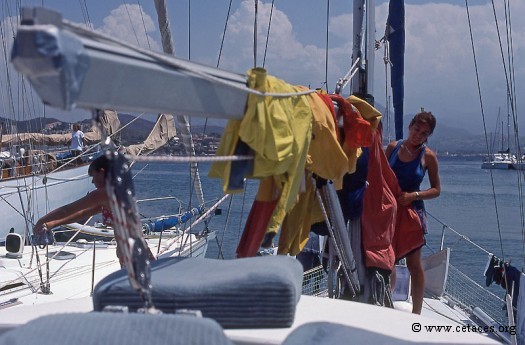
point(367, 322)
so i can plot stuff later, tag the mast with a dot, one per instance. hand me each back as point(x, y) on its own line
point(508, 132)
point(363, 48)
point(182, 120)
point(395, 33)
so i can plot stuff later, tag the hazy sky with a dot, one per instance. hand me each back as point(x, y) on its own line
point(439, 65)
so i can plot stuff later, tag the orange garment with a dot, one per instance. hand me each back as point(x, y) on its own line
point(370, 114)
point(328, 101)
point(409, 235)
point(367, 111)
point(378, 221)
point(357, 130)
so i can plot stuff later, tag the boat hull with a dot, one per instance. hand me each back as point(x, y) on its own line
point(74, 269)
point(498, 165)
point(501, 161)
point(27, 198)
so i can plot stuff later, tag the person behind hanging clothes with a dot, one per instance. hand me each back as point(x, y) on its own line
point(77, 143)
point(410, 159)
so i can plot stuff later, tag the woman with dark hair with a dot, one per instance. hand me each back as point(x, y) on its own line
point(94, 202)
point(410, 159)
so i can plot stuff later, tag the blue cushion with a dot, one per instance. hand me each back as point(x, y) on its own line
point(117, 329)
point(241, 293)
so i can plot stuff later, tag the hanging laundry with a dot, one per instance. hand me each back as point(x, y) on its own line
point(379, 208)
point(258, 219)
point(492, 265)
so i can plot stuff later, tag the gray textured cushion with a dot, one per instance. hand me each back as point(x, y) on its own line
point(117, 329)
point(241, 293)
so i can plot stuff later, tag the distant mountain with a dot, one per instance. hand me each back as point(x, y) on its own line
point(33, 125)
point(450, 138)
point(140, 128)
point(136, 131)
point(446, 138)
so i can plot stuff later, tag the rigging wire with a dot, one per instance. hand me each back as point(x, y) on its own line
point(484, 125)
point(144, 24)
point(517, 144)
point(206, 122)
point(224, 34)
point(256, 13)
point(510, 86)
point(85, 13)
point(189, 29)
point(131, 22)
point(326, 46)
point(268, 34)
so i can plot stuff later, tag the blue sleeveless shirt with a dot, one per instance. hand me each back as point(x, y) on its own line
point(409, 174)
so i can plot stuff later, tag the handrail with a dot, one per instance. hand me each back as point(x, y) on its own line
point(445, 226)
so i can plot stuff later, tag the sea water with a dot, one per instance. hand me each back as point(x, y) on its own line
point(482, 205)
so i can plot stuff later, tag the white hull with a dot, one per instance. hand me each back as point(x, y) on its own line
point(30, 198)
point(498, 165)
point(71, 279)
point(502, 161)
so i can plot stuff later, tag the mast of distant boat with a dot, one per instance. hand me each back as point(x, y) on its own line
point(182, 120)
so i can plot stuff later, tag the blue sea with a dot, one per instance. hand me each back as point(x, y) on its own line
point(483, 206)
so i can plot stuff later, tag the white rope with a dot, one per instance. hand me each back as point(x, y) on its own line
point(185, 159)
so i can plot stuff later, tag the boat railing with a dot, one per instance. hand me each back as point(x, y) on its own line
point(467, 294)
point(315, 282)
point(34, 162)
point(461, 288)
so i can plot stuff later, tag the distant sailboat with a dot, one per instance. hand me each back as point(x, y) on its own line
point(503, 159)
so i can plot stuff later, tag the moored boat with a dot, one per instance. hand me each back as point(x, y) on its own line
point(500, 160)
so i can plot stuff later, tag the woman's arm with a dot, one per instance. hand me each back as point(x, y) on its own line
point(77, 210)
point(389, 149)
point(433, 176)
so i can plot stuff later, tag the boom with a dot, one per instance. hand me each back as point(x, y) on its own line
point(70, 67)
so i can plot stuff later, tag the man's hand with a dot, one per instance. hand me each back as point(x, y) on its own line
point(42, 236)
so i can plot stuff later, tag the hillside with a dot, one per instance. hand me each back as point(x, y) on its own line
point(447, 138)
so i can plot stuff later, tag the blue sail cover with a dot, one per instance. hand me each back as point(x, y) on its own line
point(396, 37)
point(167, 223)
